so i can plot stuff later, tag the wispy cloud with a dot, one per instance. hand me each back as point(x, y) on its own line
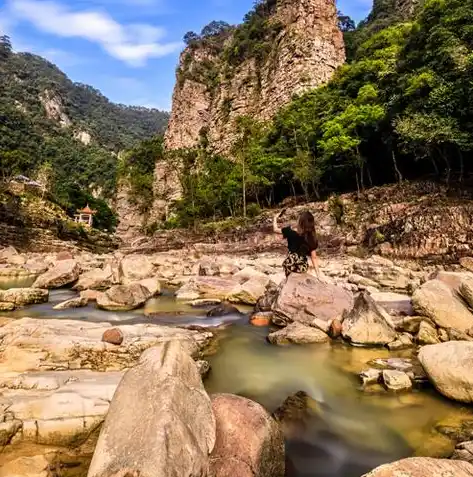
point(132, 43)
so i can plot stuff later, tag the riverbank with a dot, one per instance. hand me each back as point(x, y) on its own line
point(60, 366)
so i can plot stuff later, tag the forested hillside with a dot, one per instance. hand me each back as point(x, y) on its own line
point(64, 134)
point(400, 108)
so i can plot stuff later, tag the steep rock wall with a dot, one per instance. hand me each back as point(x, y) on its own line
point(210, 94)
point(304, 48)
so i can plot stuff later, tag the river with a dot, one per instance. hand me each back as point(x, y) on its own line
point(350, 431)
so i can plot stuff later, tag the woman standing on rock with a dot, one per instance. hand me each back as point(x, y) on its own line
point(302, 243)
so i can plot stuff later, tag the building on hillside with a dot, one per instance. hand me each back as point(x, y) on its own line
point(85, 216)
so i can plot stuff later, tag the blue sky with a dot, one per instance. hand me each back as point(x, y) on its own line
point(128, 49)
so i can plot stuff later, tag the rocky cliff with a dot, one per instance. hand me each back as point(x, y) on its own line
point(283, 48)
point(298, 47)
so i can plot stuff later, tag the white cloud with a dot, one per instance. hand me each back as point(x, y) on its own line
point(133, 44)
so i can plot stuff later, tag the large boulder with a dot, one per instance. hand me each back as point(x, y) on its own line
point(24, 296)
point(124, 297)
point(208, 287)
point(249, 441)
point(368, 324)
point(63, 273)
point(441, 303)
point(423, 467)
point(135, 267)
point(305, 299)
point(449, 367)
point(96, 279)
point(169, 430)
point(296, 333)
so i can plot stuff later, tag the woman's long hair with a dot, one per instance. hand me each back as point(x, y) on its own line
point(306, 228)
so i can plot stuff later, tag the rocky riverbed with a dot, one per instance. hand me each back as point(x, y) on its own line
point(393, 333)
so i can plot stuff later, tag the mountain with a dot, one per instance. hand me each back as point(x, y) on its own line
point(64, 134)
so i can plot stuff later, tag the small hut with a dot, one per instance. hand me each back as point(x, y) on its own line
point(85, 216)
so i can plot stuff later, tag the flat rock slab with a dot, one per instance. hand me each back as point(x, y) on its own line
point(450, 368)
point(394, 303)
point(424, 467)
point(37, 345)
point(56, 408)
point(63, 273)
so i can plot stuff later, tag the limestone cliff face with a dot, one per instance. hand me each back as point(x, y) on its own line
point(210, 94)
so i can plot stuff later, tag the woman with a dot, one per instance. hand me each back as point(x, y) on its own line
point(302, 243)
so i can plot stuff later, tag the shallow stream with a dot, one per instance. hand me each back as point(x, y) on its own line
point(351, 431)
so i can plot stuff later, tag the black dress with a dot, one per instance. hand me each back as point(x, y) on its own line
point(299, 250)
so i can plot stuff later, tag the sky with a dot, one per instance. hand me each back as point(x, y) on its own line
point(128, 49)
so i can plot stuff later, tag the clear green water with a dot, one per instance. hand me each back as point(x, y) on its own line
point(351, 432)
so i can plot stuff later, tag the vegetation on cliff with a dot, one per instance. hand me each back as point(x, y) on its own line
point(399, 109)
point(65, 135)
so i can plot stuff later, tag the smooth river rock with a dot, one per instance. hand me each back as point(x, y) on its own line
point(77, 302)
point(249, 441)
point(439, 302)
point(424, 467)
point(96, 279)
point(160, 421)
point(368, 323)
point(124, 297)
point(296, 333)
point(133, 268)
point(40, 344)
point(450, 368)
point(63, 273)
point(24, 296)
point(306, 300)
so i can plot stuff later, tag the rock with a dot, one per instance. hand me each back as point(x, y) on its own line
point(443, 335)
point(296, 333)
point(64, 255)
point(250, 291)
point(467, 263)
point(404, 341)
point(223, 310)
point(90, 295)
point(249, 273)
point(439, 302)
point(409, 324)
point(24, 296)
point(423, 467)
point(207, 287)
point(204, 302)
point(249, 441)
point(306, 300)
point(394, 303)
point(7, 306)
point(464, 451)
point(396, 381)
point(449, 367)
point(188, 292)
point(26, 466)
point(203, 367)
point(453, 280)
point(335, 329)
point(427, 334)
point(78, 302)
point(370, 376)
point(63, 273)
point(261, 319)
point(134, 268)
point(169, 431)
point(123, 297)
point(368, 323)
point(208, 269)
point(96, 279)
point(267, 301)
point(457, 335)
point(466, 291)
point(385, 273)
point(362, 281)
point(39, 344)
point(113, 336)
point(152, 285)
